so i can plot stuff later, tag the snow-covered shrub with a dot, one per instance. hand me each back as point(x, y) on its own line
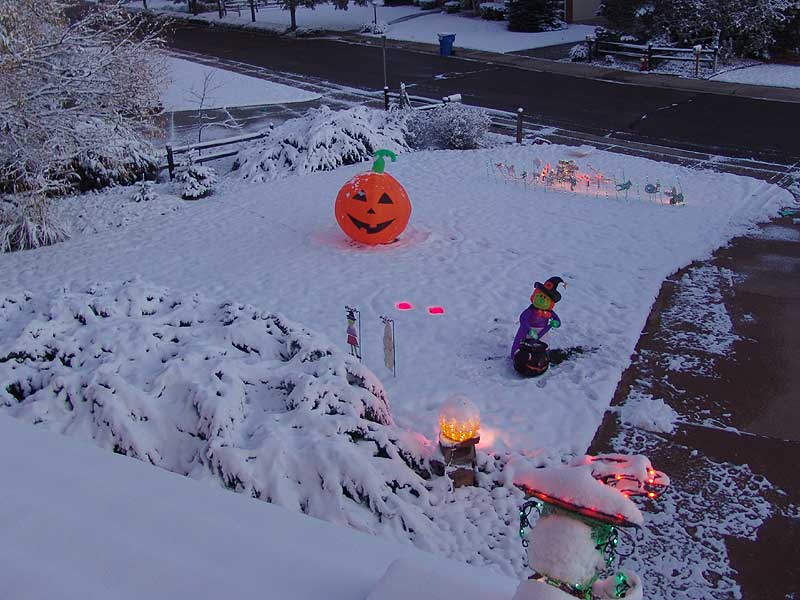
point(196, 180)
point(427, 4)
point(579, 52)
point(111, 159)
point(144, 192)
point(231, 393)
point(452, 6)
point(29, 222)
point(322, 140)
point(449, 126)
point(378, 28)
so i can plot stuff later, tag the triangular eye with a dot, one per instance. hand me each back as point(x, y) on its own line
point(361, 195)
point(385, 199)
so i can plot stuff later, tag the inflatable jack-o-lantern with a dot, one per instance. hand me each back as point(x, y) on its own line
point(373, 208)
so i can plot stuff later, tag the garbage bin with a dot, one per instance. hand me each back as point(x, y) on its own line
point(446, 41)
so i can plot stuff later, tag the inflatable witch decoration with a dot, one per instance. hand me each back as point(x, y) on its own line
point(529, 352)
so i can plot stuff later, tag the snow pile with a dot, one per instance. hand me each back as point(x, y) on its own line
point(322, 140)
point(231, 393)
point(576, 486)
point(562, 547)
point(644, 411)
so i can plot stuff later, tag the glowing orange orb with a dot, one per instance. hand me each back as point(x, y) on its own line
point(459, 419)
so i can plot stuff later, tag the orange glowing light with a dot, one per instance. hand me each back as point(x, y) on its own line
point(651, 495)
point(459, 419)
point(617, 477)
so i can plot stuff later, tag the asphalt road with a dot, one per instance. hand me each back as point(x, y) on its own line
point(729, 125)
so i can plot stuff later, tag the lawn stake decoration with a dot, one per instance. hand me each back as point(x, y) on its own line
point(459, 427)
point(373, 208)
point(354, 331)
point(389, 349)
point(528, 351)
point(581, 509)
point(568, 177)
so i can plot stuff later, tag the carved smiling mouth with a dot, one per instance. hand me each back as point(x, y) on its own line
point(371, 230)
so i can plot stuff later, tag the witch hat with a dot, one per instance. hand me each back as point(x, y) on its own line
point(549, 288)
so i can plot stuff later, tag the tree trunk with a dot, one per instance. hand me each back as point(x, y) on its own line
point(292, 14)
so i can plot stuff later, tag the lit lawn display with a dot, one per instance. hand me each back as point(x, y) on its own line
point(581, 509)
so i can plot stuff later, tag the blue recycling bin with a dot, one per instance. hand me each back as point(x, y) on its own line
point(446, 41)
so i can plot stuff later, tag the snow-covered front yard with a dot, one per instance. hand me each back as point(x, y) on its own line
point(773, 75)
point(187, 82)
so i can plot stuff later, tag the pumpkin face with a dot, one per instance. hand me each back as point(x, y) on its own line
point(373, 208)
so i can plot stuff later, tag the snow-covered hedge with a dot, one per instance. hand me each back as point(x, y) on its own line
point(450, 126)
point(228, 392)
point(29, 221)
point(322, 140)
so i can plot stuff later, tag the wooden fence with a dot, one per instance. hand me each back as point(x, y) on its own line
point(173, 151)
point(649, 53)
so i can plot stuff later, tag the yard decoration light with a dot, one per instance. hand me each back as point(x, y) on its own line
point(373, 208)
point(459, 422)
point(459, 419)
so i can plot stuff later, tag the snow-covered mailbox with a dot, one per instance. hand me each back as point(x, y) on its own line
point(574, 541)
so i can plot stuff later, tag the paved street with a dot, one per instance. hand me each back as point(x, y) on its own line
point(718, 123)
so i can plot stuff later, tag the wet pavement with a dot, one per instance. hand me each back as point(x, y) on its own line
point(722, 348)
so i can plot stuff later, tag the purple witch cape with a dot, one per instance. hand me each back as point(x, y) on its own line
point(533, 318)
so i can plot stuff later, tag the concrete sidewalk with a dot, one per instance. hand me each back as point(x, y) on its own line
point(721, 349)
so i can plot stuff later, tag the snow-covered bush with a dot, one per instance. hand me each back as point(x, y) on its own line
point(449, 126)
point(112, 159)
point(533, 15)
point(231, 393)
point(378, 28)
point(144, 192)
point(196, 181)
point(28, 222)
point(579, 52)
point(322, 140)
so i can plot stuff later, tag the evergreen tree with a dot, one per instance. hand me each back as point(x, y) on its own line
point(532, 15)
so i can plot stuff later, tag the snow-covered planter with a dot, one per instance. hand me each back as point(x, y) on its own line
point(30, 222)
point(322, 140)
point(450, 126)
point(234, 394)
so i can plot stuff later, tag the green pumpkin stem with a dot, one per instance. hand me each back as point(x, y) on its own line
point(380, 165)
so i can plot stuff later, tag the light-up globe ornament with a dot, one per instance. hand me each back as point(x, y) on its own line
point(459, 419)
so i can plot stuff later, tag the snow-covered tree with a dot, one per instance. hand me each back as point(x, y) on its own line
point(196, 180)
point(533, 15)
point(144, 192)
point(68, 88)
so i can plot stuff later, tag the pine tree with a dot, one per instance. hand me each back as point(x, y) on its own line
point(532, 15)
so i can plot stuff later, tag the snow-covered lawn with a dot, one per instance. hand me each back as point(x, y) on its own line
point(224, 88)
point(475, 246)
point(773, 75)
point(480, 34)
point(80, 522)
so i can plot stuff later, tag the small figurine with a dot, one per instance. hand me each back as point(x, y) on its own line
point(528, 350)
point(352, 333)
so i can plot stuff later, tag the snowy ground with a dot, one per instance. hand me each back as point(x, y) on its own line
point(121, 529)
point(475, 245)
point(224, 88)
point(480, 34)
point(787, 76)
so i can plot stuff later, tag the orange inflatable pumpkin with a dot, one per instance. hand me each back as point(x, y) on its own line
point(373, 208)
